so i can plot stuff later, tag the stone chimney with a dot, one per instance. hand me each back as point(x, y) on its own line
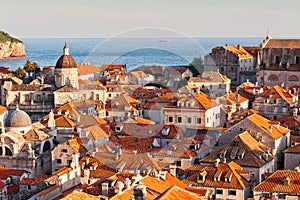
point(127, 182)
point(163, 175)
point(173, 169)
point(217, 162)
point(295, 112)
point(140, 192)
point(51, 121)
point(105, 189)
point(119, 187)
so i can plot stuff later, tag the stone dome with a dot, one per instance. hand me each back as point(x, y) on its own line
point(66, 60)
point(17, 118)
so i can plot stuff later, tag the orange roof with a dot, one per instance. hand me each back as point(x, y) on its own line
point(33, 181)
point(63, 171)
point(268, 127)
point(281, 181)
point(75, 143)
point(293, 149)
point(65, 122)
point(77, 195)
point(240, 98)
point(283, 43)
point(2, 109)
point(143, 121)
point(204, 100)
point(237, 181)
point(178, 193)
point(279, 92)
point(239, 51)
point(87, 69)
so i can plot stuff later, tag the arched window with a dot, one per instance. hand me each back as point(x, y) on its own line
point(8, 152)
point(38, 97)
point(50, 97)
point(46, 147)
point(97, 97)
point(293, 78)
point(27, 98)
point(273, 77)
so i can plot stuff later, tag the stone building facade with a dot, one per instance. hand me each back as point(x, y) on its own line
point(279, 62)
point(233, 61)
point(23, 146)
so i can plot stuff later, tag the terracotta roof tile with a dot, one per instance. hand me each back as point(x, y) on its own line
point(281, 181)
point(283, 43)
point(293, 149)
point(33, 181)
point(178, 193)
point(239, 51)
point(266, 125)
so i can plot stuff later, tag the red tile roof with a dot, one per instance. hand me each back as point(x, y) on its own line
point(283, 43)
point(33, 181)
point(281, 181)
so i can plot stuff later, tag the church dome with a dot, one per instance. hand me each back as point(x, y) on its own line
point(17, 118)
point(66, 60)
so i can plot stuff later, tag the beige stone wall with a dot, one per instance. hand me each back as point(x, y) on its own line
point(291, 160)
point(263, 77)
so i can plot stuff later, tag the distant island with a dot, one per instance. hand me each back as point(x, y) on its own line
point(10, 46)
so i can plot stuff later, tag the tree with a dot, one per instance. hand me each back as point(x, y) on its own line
point(197, 66)
point(19, 73)
point(29, 67)
point(36, 68)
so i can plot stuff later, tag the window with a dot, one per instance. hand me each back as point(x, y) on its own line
point(219, 191)
point(277, 59)
point(266, 195)
point(189, 120)
point(58, 161)
point(281, 196)
point(178, 163)
point(27, 99)
point(69, 162)
point(170, 119)
point(179, 119)
point(109, 95)
point(198, 120)
point(38, 97)
point(64, 150)
point(297, 59)
point(29, 187)
point(232, 192)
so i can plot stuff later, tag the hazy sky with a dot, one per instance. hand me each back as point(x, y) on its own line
point(105, 18)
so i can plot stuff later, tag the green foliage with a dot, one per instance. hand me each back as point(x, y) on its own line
point(31, 67)
point(5, 37)
point(19, 73)
point(196, 66)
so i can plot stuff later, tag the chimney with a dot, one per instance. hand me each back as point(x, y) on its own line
point(163, 175)
point(295, 112)
point(173, 169)
point(140, 192)
point(105, 189)
point(127, 182)
point(119, 187)
point(217, 162)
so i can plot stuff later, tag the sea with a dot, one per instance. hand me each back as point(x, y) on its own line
point(133, 52)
